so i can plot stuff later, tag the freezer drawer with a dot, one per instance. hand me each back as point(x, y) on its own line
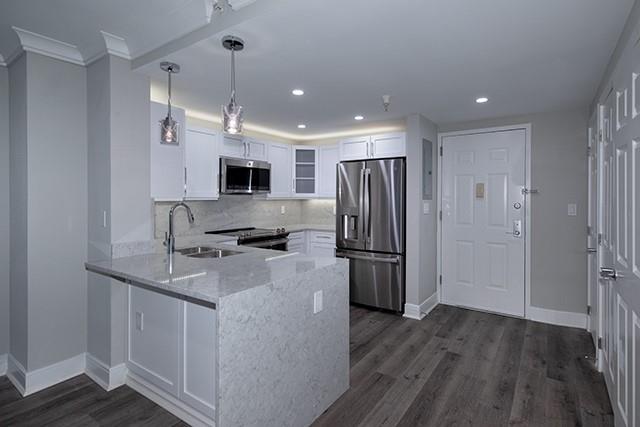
point(376, 280)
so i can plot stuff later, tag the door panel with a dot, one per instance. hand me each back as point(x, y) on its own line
point(483, 221)
point(349, 219)
point(385, 189)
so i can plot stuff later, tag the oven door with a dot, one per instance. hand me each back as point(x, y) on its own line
point(244, 176)
point(280, 244)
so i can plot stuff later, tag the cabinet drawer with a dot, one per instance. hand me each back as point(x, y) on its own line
point(323, 237)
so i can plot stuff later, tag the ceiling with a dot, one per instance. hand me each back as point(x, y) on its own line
point(434, 57)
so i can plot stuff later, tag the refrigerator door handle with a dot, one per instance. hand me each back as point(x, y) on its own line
point(363, 213)
point(367, 201)
point(394, 260)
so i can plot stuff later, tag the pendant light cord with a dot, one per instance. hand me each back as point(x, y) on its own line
point(233, 72)
point(170, 71)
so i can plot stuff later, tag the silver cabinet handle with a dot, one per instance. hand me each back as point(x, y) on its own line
point(608, 273)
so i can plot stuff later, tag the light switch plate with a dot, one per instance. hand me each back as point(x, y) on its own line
point(572, 209)
point(426, 207)
point(317, 302)
point(283, 210)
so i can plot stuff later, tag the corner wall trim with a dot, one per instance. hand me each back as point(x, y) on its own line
point(555, 317)
point(3, 364)
point(30, 382)
point(418, 312)
point(106, 377)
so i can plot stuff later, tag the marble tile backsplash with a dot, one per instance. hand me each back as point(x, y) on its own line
point(242, 211)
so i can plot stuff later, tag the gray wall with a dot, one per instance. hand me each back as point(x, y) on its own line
point(421, 228)
point(18, 210)
point(57, 209)
point(4, 210)
point(119, 165)
point(559, 172)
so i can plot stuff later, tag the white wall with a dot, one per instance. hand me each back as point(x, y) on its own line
point(4, 210)
point(559, 172)
point(421, 228)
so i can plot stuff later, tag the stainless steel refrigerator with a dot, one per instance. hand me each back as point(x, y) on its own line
point(370, 230)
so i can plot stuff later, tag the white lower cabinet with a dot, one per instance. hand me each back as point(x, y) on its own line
point(172, 346)
point(314, 243)
point(298, 242)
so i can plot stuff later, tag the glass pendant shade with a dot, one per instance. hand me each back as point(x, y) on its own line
point(168, 131)
point(232, 119)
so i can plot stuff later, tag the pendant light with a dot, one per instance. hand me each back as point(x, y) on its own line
point(168, 126)
point(232, 112)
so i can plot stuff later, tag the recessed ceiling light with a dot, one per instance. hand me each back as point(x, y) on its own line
point(358, 118)
point(297, 92)
point(482, 100)
point(302, 126)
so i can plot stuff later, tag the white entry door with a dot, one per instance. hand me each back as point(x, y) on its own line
point(483, 220)
point(594, 292)
point(620, 243)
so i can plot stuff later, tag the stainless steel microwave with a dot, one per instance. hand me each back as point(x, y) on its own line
point(239, 176)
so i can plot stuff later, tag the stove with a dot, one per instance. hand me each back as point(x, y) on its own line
point(265, 238)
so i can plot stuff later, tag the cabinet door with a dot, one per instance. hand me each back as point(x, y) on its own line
point(328, 159)
point(199, 340)
point(167, 160)
point(298, 242)
point(355, 148)
point(202, 164)
point(279, 156)
point(305, 171)
point(388, 145)
point(256, 150)
point(322, 250)
point(154, 338)
point(233, 146)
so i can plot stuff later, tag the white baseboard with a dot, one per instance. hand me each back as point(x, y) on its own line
point(168, 402)
point(3, 364)
point(418, 312)
point(106, 377)
point(555, 317)
point(30, 382)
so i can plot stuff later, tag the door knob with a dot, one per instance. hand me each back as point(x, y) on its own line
point(608, 273)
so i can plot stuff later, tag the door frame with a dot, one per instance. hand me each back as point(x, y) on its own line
point(527, 241)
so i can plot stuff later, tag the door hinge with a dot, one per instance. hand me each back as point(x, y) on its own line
point(440, 214)
point(600, 135)
point(441, 151)
point(588, 151)
point(588, 230)
point(599, 343)
point(588, 310)
point(441, 279)
point(599, 238)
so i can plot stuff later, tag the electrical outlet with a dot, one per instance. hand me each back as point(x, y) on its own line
point(139, 320)
point(317, 302)
point(283, 210)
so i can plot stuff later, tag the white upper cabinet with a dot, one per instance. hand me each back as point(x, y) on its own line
point(167, 160)
point(240, 147)
point(328, 158)
point(256, 150)
point(373, 147)
point(279, 155)
point(355, 148)
point(201, 164)
point(233, 146)
point(305, 171)
point(388, 145)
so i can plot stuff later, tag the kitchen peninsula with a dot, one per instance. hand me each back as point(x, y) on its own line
point(227, 335)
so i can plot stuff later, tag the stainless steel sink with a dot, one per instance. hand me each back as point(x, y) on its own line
point(206, 252)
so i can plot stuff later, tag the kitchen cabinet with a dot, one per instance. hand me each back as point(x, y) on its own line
point(305, 171)
point(239, 147)
point(373, 147)
point(201, 164)
point(279, 155)
point(328, 158)
point(298, 242)
point(167, 160)
point(322, 243)
point(172, 346)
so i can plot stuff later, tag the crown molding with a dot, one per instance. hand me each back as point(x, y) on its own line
point(43, 45)
point(116, 46)
point(239, 4)
point(2, 63)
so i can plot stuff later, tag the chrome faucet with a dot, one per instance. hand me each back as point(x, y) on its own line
point(169, 238)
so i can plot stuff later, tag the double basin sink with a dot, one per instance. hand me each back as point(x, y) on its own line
point(206, 252)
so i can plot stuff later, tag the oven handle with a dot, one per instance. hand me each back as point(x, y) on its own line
point(266, 243)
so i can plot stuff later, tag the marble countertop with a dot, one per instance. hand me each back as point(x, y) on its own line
point(313, 227)
point(209, 279)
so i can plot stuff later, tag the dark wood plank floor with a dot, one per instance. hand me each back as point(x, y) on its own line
point(461, 367)
point(455, 367)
